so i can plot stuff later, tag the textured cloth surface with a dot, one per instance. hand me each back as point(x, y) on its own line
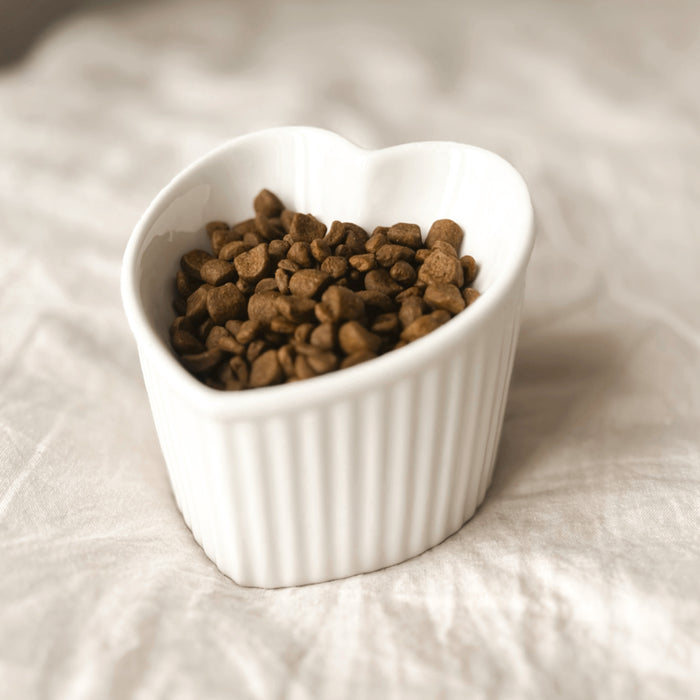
point(578, 577)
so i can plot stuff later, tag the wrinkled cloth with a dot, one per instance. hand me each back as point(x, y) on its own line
point(579, 575)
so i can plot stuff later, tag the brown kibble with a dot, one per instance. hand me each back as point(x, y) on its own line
point(253, 265)
point(445, 247)
point(267, 284)
point(202, 362)
point(353, 337)
point(380, 281)
point(253, 239)
point(249, 331)
point(247, 226)
point(336, 234)
point(323, 313)
point(246, 288)
point(203, 329)
point(285, 356)
point(420, 327)
point(335, 265)
point(375, 302)
point(281, 327)
point(216, 226)
point(390, 253)
point(239, 369)
point(405, 235)
point(322, 362)
point(386, 324)
point(277, 250)
point(262, 307)
point(216, 272)
point(302, 368)
point(300, 253)
point(413, 291)
point(185, 343)
point(323, 336)
point(225, 302)
point(355, 240)
point(469, 267)
point(181, 323)
point(288, 266)
point(286, 218)
point(282, 280)
point(266, 370)
point(470, 295)
point(320, 249)
point(303, 331)
point(411, 309)
point(343, 304)
point(440, 267)
point(422, 255)
point(445, 230)
point(376, 240)
point(305, 227)
point(214, 335)
point(266, 229)
point(296, 309)
point(363, 262)
point(356, 358)
point(221, 237)
point(185, 285)
point(255, 349)
point(197, 304)
point(233, 249)
point(444, 296)
point(403, 272)
point(268, 204)
point(441, 316)
point(179, 306)
point(308, 283)
point(233, 326)
point(191, 263)
point(230, 344)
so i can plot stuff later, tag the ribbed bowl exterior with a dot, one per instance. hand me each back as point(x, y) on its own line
point(348, 484)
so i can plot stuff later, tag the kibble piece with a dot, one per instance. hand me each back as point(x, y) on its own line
point(403, 272)
point(266, 370)
point(267, 284)
point(246, 288)
point(353, 337)
point(202, 362)
point(386, 324)
point(255, 349)
point(221, 237)
point(470, 295)
point(320, 249)
point(343, 304)
point(411, 309)
point(390, 253)
point(363, 262)
point(230, 344)
point(356, 358)
point(295, 309)
point(420, 327)
point(216, 272)
point(280, 327)
point(335, 265)
point(285, 356)
point(282, 281)
point(262, 307)
point(215, 335)
point(440, 267)
point(197, 304)
point(288, 266)
point(249, 331)
point(247, 226)
point(191, 263)
point(444, 296)
point(286, 219)
point(253, 239)
point(376, 240)
point(185, 343)
point(470, 269)
point(422, 255)
point(308, 283)
point(355, 239)
point(233, 326)
point(323, 336)
point(233, 249)
point(303, 331)
point(445, 230)
point(405, 234)
point(253, 265)
point(336, 234)
point(322, 361)
point(266, 229)
point(445, 247)
point(380, 281)
point(323, 313)
point(181, 323)
point(225, 302)
point(268, 204)
point(203, 329)
point(376, 302)
point(239, 369)
point(414, 291)
point(300, 253)
point(185, 285)
point(277, 250)
point(216, 226)
point(302, 368)
point(305, 227)
point(441, 316)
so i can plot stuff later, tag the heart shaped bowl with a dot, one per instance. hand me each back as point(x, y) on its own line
point(364, 467)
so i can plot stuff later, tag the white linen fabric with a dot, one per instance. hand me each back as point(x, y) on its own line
point(579, 575)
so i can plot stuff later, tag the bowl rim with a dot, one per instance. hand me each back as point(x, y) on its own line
point(325, 388)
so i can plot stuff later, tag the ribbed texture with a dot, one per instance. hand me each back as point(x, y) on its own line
point(365, 481)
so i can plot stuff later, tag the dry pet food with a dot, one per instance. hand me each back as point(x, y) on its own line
point(281, 298)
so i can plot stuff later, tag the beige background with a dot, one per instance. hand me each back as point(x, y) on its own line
point(578, 577)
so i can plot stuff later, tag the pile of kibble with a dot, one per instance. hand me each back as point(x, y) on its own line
point(281, 298)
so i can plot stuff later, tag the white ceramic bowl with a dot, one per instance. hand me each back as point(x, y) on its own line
point(361, 468)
